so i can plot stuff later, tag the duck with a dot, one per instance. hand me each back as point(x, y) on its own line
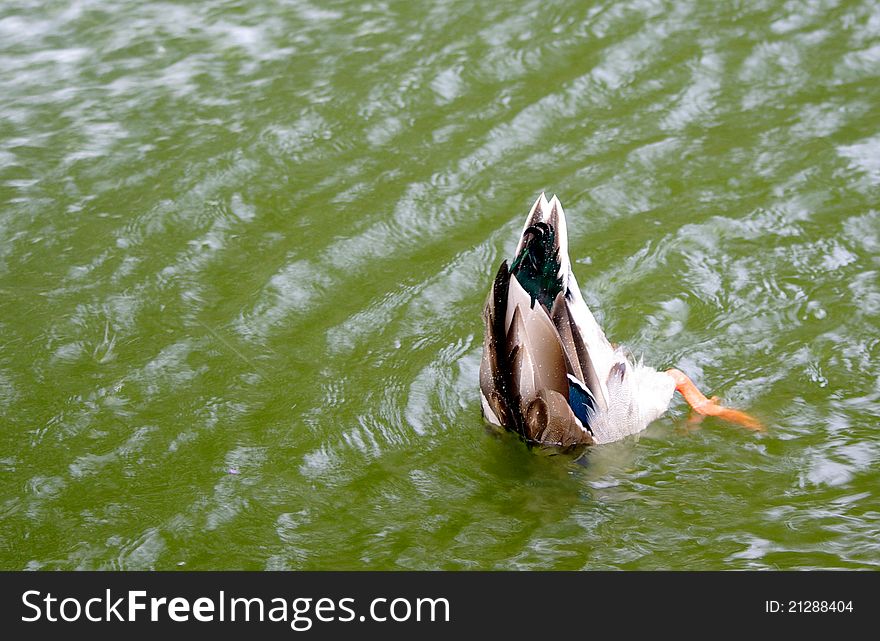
point(548, 372)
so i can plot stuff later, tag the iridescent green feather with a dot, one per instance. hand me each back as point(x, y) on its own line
point(537, 265)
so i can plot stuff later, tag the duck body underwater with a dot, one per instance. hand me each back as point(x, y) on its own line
point(548, 372)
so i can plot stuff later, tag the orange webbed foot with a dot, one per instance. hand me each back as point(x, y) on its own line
point(710, 406)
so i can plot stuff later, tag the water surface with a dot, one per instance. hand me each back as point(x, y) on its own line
point(244, 248)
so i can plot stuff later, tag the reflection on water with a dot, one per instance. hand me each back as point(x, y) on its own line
point(245, 249)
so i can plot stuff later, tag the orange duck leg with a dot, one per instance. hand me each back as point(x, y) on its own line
point(710, 406)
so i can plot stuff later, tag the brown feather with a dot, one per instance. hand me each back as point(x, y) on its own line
point(535, 332)
point(549, 420)
point(577, 349)
point(494, 368)
point(524, 385)
point(559, 316)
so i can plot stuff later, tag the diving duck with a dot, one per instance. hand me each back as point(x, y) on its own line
point(548, 372)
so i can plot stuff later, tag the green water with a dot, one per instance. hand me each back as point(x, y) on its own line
point(244, 248)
